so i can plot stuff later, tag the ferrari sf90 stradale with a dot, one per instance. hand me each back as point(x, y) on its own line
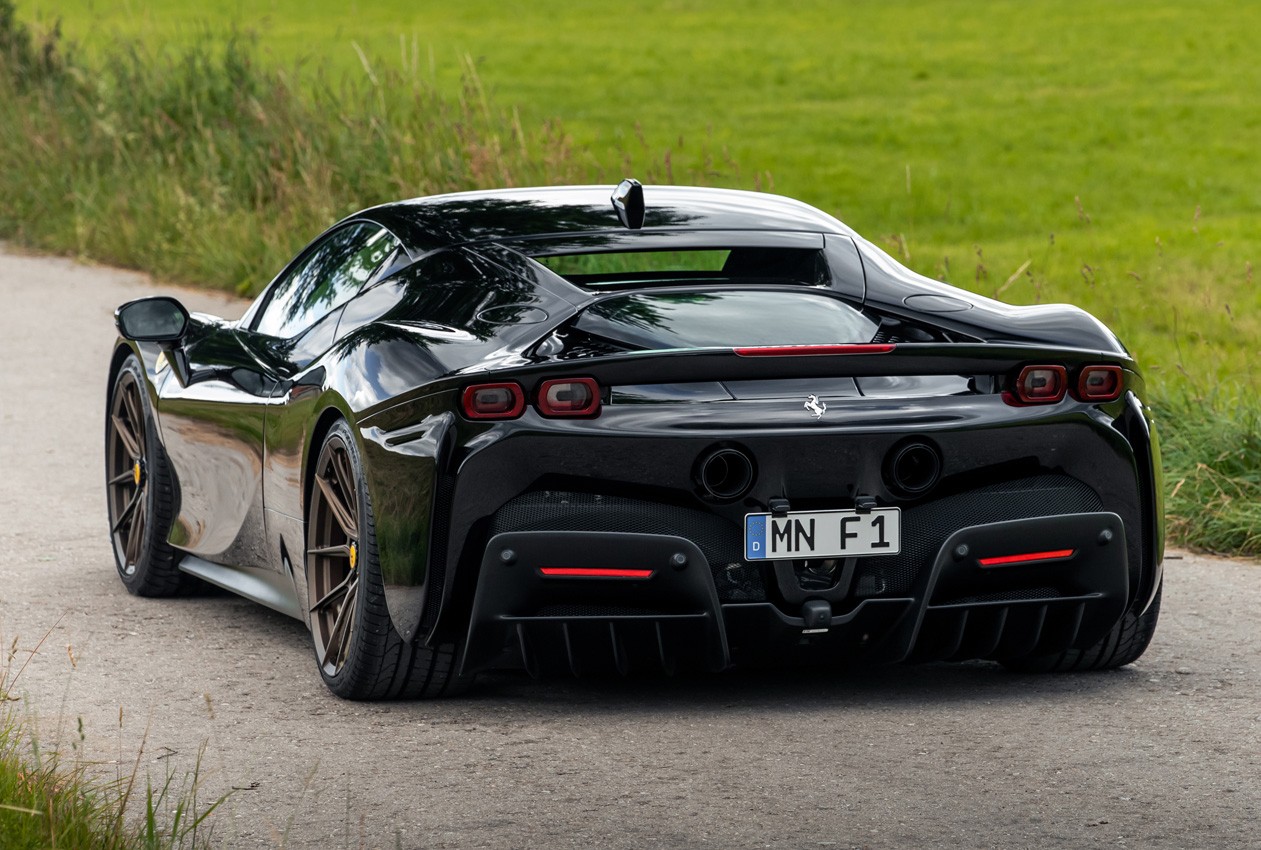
point(675, 428)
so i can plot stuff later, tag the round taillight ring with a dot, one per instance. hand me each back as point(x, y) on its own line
point(1041, 385)
point(1100, 383)
point(493, 401)
point(570, 397)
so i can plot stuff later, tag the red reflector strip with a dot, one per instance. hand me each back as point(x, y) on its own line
point(592, 572)
point(812, 350)
point(1028, 557)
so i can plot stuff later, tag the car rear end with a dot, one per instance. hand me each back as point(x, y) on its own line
point(689, 474)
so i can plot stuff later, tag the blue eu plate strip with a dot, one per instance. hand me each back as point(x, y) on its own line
point(754, 538)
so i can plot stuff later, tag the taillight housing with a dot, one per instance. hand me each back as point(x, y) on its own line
point(493, 401)
point(1100, 383)
point(1039, 385)
point(571, 397)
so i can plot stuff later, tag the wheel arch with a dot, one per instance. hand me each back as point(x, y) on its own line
point(121, 350)
point(324, 423)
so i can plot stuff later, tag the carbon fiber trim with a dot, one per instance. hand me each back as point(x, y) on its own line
point(926, 526)
point(717, 538)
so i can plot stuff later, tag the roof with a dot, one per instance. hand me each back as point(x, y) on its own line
point(440, 221)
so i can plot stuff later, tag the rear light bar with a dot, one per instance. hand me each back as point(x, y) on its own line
point(813, 350)
point(569, 397)
point(1049, 384)
point(493, 401)
point(1027, 558)
point(593, 572)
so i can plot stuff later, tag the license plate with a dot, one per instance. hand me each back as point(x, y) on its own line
point(823, 534)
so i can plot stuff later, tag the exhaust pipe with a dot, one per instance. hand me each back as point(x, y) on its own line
point(913, 468)
point(725, 474)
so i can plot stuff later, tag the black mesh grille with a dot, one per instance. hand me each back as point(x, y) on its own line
point(590, 611)
point(718, 539)
point(1020, 595)
point(925, 527)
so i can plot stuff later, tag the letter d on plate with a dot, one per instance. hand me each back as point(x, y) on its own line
point(754, 538)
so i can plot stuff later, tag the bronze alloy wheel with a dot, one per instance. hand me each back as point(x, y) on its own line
point(358, 651)
point(333, 555)
point(127, 473)
point(138, 490)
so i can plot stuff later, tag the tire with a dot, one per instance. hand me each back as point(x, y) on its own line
point(359, 654)
point(138, 491)
point(1122, 645)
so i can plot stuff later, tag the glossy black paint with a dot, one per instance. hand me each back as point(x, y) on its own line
point(241, 414)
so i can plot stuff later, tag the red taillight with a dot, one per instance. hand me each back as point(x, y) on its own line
point(569, 397)
point(1027, 558)
point(493, 401)
point(592, 572)
point(1039, 385)
point(813, 350)
point(1100, 383)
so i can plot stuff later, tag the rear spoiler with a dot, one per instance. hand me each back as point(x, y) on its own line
point(719, 364)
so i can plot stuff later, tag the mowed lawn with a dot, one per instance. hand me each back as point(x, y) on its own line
point(1104, 154)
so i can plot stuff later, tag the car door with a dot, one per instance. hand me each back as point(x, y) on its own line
point(213, 425)
point(290, 336)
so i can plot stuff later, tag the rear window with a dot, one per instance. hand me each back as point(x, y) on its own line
point(635, 262)
point(608, 269)
point(662, 320)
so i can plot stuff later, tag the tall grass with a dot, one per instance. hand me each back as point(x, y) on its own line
point(1212, 458)
point(208, 167)
point(53, 799)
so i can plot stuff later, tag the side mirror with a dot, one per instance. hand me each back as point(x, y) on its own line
point(156, 319)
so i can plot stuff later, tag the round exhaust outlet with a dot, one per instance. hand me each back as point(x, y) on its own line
point(725, 473)
point(913, 468)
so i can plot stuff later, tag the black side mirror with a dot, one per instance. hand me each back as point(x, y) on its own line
point(156, 319)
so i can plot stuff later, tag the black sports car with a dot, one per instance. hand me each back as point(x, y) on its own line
point(679, 428)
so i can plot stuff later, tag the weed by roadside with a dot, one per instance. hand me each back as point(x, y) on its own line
point(51, 798)
point(1212, 457)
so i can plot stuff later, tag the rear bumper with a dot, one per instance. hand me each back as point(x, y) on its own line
point(673, 619)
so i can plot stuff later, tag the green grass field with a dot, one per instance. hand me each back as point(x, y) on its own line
point(1112, 147)
point(1102, 154)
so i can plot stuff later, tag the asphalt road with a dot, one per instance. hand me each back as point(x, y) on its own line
point(1166, 753)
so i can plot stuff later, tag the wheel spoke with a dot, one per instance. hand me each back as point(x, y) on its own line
point(346, 478)
point(131, 399)
point(336, 635)
point(135, 537)
point(342, 551)
point(339, 510)
point(127, 511)
point(127, 476)
point(338, 591)
point(123, 430)
point(348, 632)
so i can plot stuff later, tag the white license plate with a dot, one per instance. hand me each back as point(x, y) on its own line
point(823, 534)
